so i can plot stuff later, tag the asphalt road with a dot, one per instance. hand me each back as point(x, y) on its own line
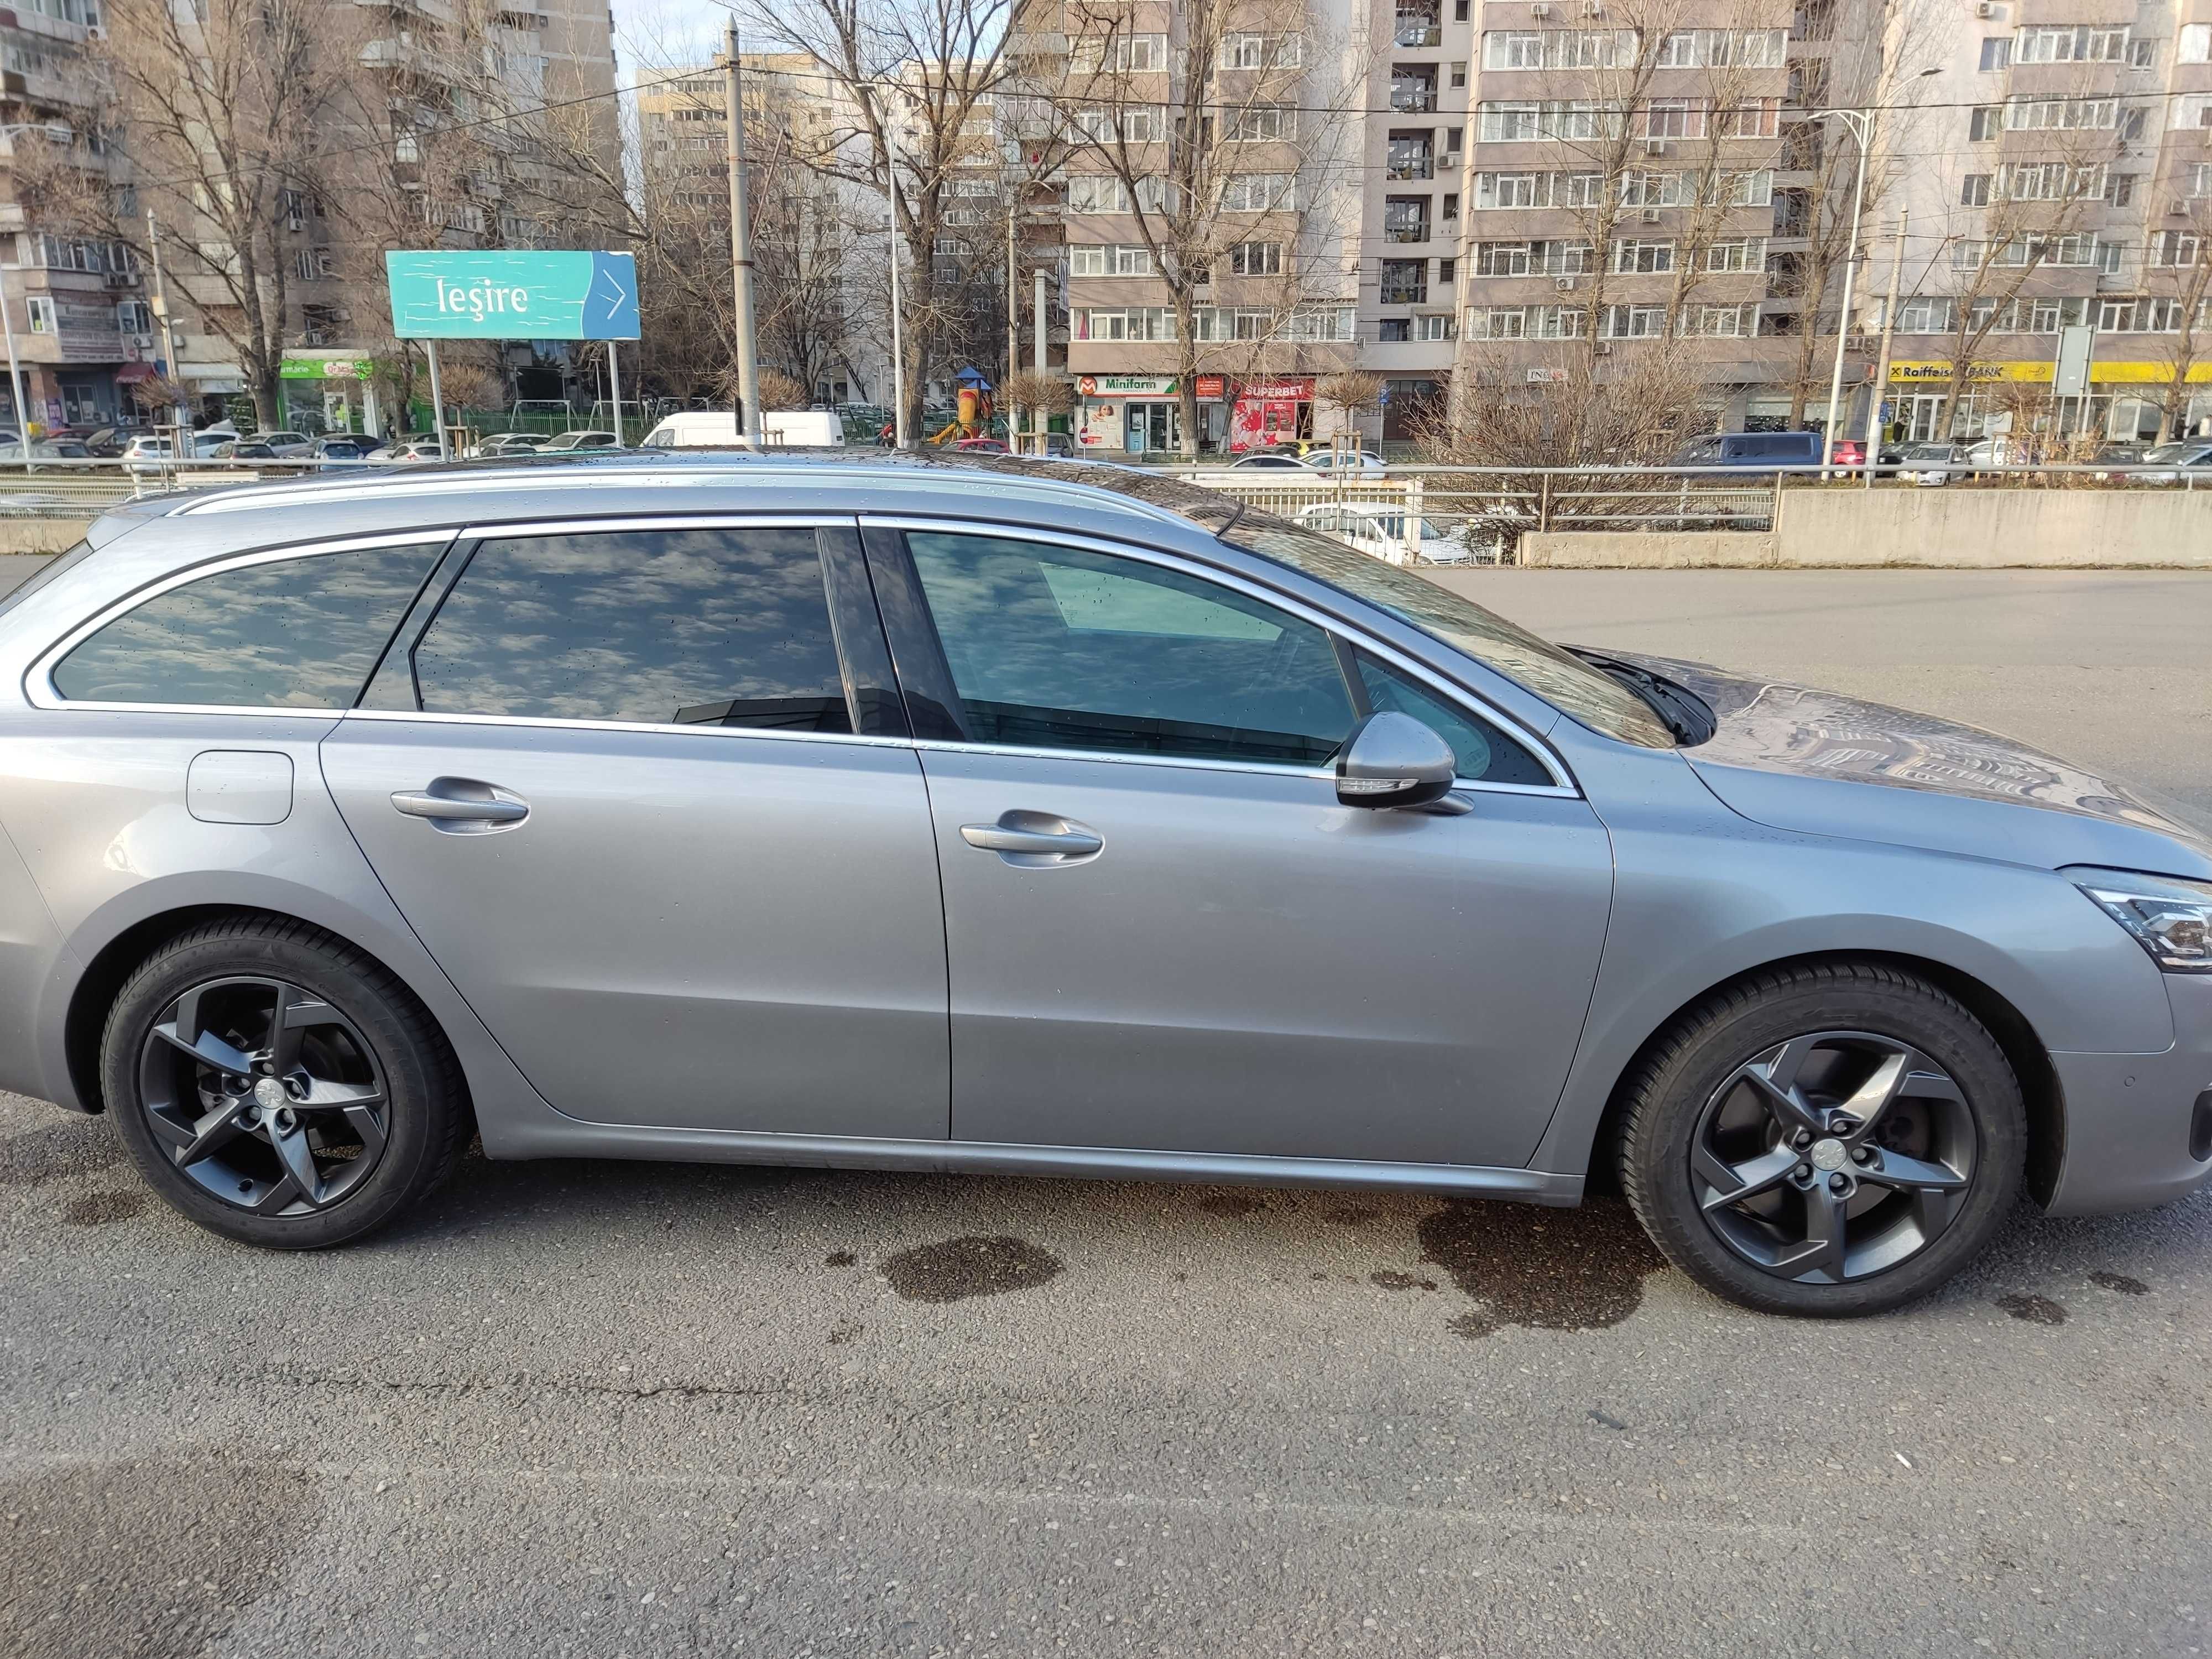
point(630, 1409)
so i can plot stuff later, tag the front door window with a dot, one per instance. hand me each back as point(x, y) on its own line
point(1054, 647)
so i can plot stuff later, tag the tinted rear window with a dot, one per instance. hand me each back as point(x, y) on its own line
point(299, 633)
point(683, 627)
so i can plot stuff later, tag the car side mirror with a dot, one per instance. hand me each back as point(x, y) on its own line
point(1393, 760)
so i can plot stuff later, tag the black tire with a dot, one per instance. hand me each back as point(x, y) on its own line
point(1689, 1097)
point(420, 1113)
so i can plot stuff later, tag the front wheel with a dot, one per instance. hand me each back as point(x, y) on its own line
point(279, 1087)
point(1833, 1139)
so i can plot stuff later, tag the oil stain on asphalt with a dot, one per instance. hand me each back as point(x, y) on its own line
point(1554, 1270)
point(98, 1560)
point(77, 1146)
point(1232, 1205)
point(95, 1208)
point(2035, 1309)
point(962, 1268)
point(2120, 1282)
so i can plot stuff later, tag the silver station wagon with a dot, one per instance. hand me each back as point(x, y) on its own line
point(1024, 817)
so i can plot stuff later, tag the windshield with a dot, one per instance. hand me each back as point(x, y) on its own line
point(2168, 452)
point(1597, 700)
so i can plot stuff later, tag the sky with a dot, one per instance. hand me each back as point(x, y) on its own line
point(663, 30)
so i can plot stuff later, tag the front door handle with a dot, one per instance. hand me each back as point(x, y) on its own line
point(463, 806)
point(1024, 837)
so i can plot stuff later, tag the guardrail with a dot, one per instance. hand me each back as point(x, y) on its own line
point(1478, 514)
point(1419, 513)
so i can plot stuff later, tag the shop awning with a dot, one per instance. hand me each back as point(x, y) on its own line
point(132, 373)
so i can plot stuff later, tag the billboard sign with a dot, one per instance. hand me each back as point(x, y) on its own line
point(511, 293)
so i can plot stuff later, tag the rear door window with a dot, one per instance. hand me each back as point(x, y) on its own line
point(301, 633)
point(708, 627)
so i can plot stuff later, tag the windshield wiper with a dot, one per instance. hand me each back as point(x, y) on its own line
point(1683, 712)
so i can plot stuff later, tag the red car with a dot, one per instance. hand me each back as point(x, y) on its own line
point(1848, 452)
point(982, 446)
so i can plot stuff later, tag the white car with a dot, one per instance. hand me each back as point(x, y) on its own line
point(1349, 463)
point(1381, 531)
point(1931, 464)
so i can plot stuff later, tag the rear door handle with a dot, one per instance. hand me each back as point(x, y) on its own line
point(463, 806)
point(1022, 836)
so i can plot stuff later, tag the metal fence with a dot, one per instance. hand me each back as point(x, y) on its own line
point(1479, 514)
point(1407, 513)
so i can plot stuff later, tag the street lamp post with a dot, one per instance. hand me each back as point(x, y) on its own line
point(1861, 122)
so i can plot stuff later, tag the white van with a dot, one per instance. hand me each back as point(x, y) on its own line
point(709, 428)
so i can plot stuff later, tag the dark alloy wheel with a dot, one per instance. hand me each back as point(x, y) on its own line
point(1828, 1137)
point(1832, 1157)
point(266, 1095)
point(279, 1086)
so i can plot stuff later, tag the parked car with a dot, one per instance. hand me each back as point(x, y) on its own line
point(46, 449)
point(283, 444)
point(511, 443)
point(1381, 531)
point(243, 449)
point(1088, 824)
point(717, 428)
point(981, 446)
point(344, 446)
point(1752, 449)
point(1278, 460)
point(2181, 461)
point(421, 447)
point(581, 439)
point(107, 442)
point(1931, 464)
point(1350, 463)
point(146, 453)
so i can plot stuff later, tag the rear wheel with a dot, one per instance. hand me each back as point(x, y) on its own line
point(279, 1087)
point(1831, 1139)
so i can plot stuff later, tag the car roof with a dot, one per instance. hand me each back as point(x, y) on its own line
point(1101, 497)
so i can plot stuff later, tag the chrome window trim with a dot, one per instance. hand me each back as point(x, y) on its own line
point(1562, 779)
point(617, 524)
point(552, 722)
point(38, 679)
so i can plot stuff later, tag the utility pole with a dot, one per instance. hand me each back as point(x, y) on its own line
point(741, 247)
point(1880, 390)
point(898, 346)
point(176, 374)
point(1013, 322)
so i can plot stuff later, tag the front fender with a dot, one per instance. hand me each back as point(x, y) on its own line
point(1703, 896)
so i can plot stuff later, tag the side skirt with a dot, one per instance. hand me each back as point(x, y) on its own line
point(574, 1139)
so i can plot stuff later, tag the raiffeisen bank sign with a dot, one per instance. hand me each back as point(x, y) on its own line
point(512, 294)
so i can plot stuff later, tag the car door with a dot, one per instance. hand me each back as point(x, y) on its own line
point(1163, 930)
point(645, 793)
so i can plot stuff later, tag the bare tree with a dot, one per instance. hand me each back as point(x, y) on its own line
point(2185, 252)
point(909, 87)
point(235, 110)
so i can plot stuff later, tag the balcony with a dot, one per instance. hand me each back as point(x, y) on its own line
point(1410, 159)
point(1406, 221)
point(1419, 28)
point(1413, 88)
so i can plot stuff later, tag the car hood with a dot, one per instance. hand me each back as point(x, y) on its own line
point(1819, 763)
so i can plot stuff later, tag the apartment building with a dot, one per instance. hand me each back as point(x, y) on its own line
point(795, 118)
point(1216, 277)
point(2064, 183)
point(1639, 177)
point(83, 334)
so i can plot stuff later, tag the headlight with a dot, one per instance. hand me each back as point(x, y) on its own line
point(2171, 918)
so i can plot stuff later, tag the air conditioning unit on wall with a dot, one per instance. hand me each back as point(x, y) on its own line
point(1565, 284)
point(1984, 8)
point(1651, 216)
